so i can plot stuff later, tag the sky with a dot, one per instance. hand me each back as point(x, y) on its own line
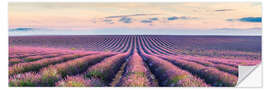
point(238, 18)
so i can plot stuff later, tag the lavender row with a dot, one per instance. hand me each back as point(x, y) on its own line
point(107, 69)
point(211, 75)
point(36, 65)
point(169, 74)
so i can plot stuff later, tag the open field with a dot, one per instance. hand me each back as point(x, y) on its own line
point(130, 60)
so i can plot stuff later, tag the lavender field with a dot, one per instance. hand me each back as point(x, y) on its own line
point(130, 60)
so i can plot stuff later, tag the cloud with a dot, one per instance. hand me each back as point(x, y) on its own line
point(129, 19)
point(125, 20)
point(187, 18)
point(230, 20)
point(223, 10)
point(255, 28)
point(182, 18)
point(172, 18)
point(149, 20)
point(153, 19)
point(108, 21)
point(251, 19)
point(120, 16)
point(146, 21)
point(21, 29)
point(247, 19)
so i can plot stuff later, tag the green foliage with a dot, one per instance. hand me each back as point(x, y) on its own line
point(95, 74)
point(176, 79)
point(29, 59)
point(22, 83)
point(73, 48)
point(49, 76)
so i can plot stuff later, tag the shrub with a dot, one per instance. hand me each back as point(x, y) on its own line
point(26, 79)
point(79, 81)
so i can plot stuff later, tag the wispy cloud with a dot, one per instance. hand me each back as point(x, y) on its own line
point(150, 20)
point(146, 21)
point(120, 16)
point(108, 21)
point(125, 20)
point(172, 18)
point(153, 19)
point(254, 28)
point(247, 19)
point(251, 19)
point(223, 10)
point(21, 29)
point(231, 20)
point(182, 18)
point(187, 18)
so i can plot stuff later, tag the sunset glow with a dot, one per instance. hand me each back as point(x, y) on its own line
point(153, 17)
